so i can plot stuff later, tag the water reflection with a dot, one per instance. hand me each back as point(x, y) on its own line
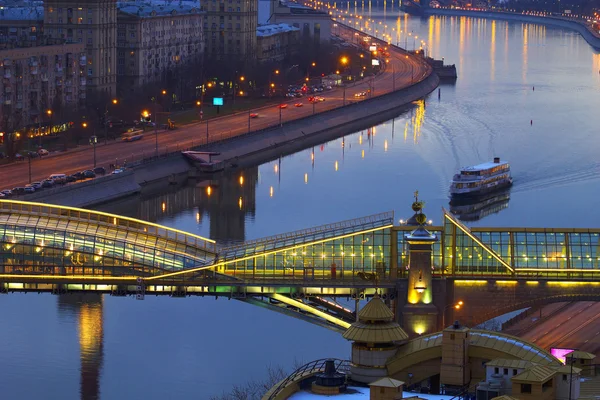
point(474, 210)
point(87, 308)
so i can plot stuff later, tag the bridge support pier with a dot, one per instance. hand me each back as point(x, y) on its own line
point(120, 290)
point(419, 314)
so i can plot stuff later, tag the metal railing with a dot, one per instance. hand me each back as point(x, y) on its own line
point(371, 219)
point(341, 366)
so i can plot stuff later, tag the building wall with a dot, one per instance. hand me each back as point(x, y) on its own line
point(150, 46)
point(563, 383)
point(34, 78)
point(505, 373)
point(94, 24)
point(277, 46)
point(537, 393)
point(230, 28)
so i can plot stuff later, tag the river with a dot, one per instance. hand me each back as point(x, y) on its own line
point(527, 93)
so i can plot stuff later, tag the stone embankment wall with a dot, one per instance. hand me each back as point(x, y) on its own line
point(579, 27)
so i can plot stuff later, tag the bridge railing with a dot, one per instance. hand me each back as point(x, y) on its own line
point(105, 219)
point(341, 366)
point(387, 217)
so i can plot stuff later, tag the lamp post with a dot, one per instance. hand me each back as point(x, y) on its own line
point(163, 92)
point(571, 373)
point(49, 114)
point(113, 101)
point(456, 306)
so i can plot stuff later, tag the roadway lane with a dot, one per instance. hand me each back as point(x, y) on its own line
point(401, 71)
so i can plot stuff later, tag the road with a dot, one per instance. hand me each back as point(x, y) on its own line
point(400, 71)
point(575, 326)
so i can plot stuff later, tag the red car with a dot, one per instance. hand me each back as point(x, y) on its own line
point(253, 115)
point(298, 105)
point(283, 106)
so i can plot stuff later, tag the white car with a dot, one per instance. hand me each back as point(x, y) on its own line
point(43, 152)
point(118, 171)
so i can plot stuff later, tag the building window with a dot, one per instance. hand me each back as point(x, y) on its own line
point(89, 21)
point(496, 370)
point(90, 72)
point(514, 372)
point(505, 371)
point(564, 377)
point(132, 34)
point(89, 40)
point(525, 387)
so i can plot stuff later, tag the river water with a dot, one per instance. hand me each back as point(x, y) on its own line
point(527, 93)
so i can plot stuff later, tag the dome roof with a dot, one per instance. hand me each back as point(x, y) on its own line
point(386, 332)
point(375, 310)
point(375, 325)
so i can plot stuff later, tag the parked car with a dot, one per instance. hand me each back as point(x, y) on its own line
point(253, 115)
point(283, 105)
point(47, 183)
point(100, 170)
point(28, 190)
point(19, 157)
point(43, 152)
point(32, 154)
point(79, 176)
point(36, 185)
point(118, 171)
point(298, 105)
point(71, 178)
point(7, 192)
point(89, 174)
point(18, 190)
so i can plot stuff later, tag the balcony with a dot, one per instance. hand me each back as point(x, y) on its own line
point(33, 70)
point(33, 63)
point(19, 105)
point(82, 81)
point(82, 95)
point(68, 83)
point(59, 82)
point(82, 61)
point(59, 68)
point(7, 74)
point(7, 62)
point(44, 77)
point(68, 89)
point(7, 102)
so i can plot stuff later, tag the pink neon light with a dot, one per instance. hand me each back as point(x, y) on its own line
point(561, 354)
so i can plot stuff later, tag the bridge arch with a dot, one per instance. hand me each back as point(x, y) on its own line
point(40, 239)
point(422, 357)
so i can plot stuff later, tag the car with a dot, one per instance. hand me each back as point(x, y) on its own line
point(99, 170)
point(36, 185)
point(281, 106)
point(19, 157)
point(71, 178)
point(32, 154)
point(118, 171)
point(298, 105)
point(18, 190)
point(47, 183)
point(319, 98)
point(43, 152)
point(7, 192)
point(360, 94)
point(253, 115)
point(28, 190)
point(89, 174)
point(2, 195)
point(79, 176)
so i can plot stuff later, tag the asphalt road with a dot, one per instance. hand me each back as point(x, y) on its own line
point(400, 71)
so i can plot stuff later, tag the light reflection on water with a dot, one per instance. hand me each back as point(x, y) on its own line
point(161, 348)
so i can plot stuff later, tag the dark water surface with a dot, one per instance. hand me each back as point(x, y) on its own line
point(112, 348)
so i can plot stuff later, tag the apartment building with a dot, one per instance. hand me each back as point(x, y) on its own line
point(92, 23)
point(155, 39)
point(230, 29)
point(276, 41)
point(35, 79)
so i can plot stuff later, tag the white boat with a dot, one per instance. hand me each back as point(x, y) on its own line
point(481, 179)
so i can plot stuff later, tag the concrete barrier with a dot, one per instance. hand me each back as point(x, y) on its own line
point(577, 26)
point(84, 194)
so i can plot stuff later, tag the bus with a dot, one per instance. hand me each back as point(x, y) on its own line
point(132, 135)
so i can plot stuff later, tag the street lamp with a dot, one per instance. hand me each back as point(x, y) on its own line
point(114, 102)
point(93, 141)
point(163, 92)
point(456, 306)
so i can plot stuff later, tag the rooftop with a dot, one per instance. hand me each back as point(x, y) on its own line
point(361, 393)
point(149, 8)
point(274, 29)
point(483, 166)
point(22, 13)
point(537, 373)
point(387, 382)
point(505, 363)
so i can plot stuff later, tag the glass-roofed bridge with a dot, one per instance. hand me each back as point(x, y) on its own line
point(48, 248)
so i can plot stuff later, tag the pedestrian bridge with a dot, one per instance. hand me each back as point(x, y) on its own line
point(49, 248)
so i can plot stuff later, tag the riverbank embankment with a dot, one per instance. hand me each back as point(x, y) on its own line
point(252, 148)
point(589, 36)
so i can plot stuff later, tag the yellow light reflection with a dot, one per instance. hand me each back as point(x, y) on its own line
point(240, 202)
point(208, 190)
point(241, 180)
point(336, 166)
point(276, 168)
point(90, 329)
point(163, 206)
point(271, 191)
point(305, 178)
point(362, 154)
point(385, 145)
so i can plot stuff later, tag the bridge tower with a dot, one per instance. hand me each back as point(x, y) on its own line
point(419, 314)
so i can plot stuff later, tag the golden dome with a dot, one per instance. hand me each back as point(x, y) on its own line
point(375, 310)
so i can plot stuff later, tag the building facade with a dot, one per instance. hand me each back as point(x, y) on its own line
point(230, 29)
point(312, 23)
point(92, 23)
point(38, 82)
point(155, 40)
point(275, 42)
